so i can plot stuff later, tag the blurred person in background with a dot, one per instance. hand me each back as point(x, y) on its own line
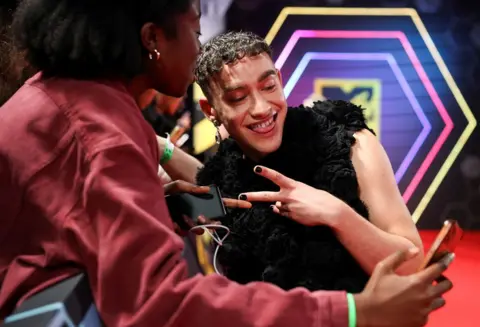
point(166, 114)
point(167, 117)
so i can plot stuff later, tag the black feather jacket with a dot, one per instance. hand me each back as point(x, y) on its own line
point(267, 247)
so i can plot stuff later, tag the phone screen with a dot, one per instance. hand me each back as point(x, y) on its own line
point(445, 242)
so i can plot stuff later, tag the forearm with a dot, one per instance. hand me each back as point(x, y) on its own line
point(369, 244)
point(181, 166)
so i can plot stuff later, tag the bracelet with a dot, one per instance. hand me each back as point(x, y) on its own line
point(168, 151)
point(352, 311)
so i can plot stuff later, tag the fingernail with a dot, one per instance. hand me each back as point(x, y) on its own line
point(448, 259)
point(413, 251)
point(242, 197)
point(272, 206)
point(258, 169)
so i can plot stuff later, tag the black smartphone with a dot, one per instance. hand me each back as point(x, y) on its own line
point(445, 243)
point(210, 205)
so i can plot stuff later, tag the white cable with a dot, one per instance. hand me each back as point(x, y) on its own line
point(215, 237)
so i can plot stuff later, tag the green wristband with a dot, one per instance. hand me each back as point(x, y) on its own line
point(352, 311)
point(168, 151)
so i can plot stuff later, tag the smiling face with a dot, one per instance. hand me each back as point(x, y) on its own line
point(246, 96)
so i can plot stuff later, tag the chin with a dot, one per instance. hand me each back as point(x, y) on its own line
point(263, 139)
point(178, 93)
point(271, 147)
point(262, 147)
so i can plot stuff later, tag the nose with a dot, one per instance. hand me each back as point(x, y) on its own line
point(260, 108)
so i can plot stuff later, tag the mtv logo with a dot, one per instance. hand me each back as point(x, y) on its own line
point(362, 92)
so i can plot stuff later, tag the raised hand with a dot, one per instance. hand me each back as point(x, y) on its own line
point(298, 201)
point(390, 300)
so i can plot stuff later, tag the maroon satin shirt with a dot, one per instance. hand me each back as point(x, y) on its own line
point(79, 192)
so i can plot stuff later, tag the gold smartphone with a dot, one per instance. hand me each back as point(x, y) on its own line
point(445, 243)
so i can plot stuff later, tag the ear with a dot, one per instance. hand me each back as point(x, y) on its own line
point(279, 75)
point(151, 37)
point(208, 110)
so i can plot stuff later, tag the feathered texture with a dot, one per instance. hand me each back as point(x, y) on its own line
point(267, 247)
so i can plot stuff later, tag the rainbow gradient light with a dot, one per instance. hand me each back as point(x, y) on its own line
point(427, 127)
point(297, 35)
point(405, 12)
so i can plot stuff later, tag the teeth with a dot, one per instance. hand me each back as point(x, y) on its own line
point(262, 125)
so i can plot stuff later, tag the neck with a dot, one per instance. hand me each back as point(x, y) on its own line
point(253, 155)
point(138, 86)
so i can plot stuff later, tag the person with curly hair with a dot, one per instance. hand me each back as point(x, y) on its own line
point(321, 166)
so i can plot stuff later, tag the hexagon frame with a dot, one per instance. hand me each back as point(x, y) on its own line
point(297, 35)
point(412, 13)
point(390, 59)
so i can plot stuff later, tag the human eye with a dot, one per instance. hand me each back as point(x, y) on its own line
point(237, 99)
point(269, 86)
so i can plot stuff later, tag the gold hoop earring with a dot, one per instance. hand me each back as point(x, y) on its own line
point(157, 55)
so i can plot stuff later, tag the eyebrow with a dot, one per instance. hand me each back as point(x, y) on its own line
point(266, 74)
point(262, 77)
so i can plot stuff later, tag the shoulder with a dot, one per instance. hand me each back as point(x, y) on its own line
point(103, 114)
point(369, 156)
point(32, 130)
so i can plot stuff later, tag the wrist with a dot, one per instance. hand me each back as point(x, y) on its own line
point(161, 143)
point(339, 221)
point(168, 148)
point(352, 311)
point(362, 309)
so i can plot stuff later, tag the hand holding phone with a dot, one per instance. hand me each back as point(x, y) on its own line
point(193, 205)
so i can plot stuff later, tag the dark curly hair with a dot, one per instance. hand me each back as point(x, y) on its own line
point(225, 49)
point(14, 70)
point(88, 39)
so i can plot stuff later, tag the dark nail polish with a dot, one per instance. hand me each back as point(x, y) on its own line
point(242, 197)
point(258, 169)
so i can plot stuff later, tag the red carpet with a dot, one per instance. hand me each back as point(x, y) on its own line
point(463, 302)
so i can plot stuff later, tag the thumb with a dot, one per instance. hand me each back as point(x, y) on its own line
point(395, 260)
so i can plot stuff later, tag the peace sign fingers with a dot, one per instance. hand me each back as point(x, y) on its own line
point(260, 196)
point(281, 180)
